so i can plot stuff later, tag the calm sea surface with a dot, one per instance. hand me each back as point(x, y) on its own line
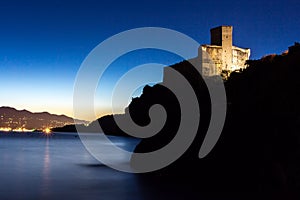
point(34, 166)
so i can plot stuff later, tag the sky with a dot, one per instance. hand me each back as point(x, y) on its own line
point(43, 43)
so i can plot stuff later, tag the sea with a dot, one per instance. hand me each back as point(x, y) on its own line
point(58, 166)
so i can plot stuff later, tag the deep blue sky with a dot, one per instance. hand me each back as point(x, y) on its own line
point(42, 43)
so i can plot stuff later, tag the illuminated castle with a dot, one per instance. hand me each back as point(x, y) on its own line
point(224, 55)
point(220, 56)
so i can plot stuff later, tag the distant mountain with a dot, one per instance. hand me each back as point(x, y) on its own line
point(14, 119)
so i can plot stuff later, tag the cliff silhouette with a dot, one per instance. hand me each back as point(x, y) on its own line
point(259, 148)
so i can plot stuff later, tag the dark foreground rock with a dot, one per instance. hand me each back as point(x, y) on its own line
point(259, 149)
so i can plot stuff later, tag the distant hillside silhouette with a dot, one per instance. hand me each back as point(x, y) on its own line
point(12, 118)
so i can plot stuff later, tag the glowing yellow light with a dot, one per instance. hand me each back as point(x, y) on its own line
point(47, 131)
point(18, 130)
point(5, 129)
point(21, 130)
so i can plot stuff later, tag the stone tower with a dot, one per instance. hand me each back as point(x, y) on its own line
point(222, 36)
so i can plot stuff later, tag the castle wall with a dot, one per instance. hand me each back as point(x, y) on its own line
point(239, 58)
point(236, 59)
point(213, 53)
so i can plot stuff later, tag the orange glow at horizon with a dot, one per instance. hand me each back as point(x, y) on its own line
point(68, 111)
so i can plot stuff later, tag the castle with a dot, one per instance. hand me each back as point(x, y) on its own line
point(224, 55)
point(220, 55)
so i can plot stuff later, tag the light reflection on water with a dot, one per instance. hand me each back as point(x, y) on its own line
point(59, 167)
point(45, 187)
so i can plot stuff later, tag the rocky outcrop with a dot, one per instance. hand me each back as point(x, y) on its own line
point(259, 149)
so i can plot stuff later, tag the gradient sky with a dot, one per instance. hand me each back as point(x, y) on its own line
point(42, 43)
